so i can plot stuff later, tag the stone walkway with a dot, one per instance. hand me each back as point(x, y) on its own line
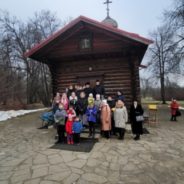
point(26, 157)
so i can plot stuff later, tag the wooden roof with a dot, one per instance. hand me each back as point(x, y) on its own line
point(81, 19)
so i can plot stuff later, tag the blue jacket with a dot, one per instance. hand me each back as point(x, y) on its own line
point(91, 114)
point(77, 127)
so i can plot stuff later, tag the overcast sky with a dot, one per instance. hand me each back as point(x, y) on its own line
point(138, 16)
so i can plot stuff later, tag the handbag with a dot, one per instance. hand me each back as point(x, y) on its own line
point(139, 118)
point(178, 113)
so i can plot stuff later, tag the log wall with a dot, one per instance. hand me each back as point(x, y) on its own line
point(116, 74)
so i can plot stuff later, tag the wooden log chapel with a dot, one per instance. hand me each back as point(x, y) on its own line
point(86, 50)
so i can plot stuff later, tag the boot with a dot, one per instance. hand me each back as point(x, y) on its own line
point(137, 137)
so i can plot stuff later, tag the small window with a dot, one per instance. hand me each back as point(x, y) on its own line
point(85, 43)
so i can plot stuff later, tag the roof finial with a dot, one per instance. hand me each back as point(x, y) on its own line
point(107, 2)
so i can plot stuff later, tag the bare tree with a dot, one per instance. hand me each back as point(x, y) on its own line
point(16, 38)
point(164, 56)
point(175, 18)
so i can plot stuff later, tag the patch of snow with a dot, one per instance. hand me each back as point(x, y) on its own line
point(4, 115)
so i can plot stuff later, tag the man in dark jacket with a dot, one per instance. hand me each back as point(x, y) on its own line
point(88, 89)
point(99, 89)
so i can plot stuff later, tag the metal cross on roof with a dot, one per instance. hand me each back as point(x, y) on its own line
point(107, 2)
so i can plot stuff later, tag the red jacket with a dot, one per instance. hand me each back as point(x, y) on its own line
point(174, 106)
point(68, 127)
point(71, 113)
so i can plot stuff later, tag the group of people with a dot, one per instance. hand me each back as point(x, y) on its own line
point(80, 108)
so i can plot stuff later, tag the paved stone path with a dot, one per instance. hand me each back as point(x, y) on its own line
point(26, 157)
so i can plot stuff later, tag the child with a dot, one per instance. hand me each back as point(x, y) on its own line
point(71, 112)
point(91, 100)
point(91, 113)
point(120, 118)
point(77, 129)
point(59, 118)
point(69, 130)
point(73, 100)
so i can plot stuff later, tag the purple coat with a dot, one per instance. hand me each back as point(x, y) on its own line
point(91, 114)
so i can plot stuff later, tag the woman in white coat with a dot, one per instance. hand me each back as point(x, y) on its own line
point(120, 118)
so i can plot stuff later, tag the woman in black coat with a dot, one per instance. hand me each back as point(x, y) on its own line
point(136, 110)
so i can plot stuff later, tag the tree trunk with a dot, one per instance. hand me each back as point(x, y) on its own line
point(162, 85)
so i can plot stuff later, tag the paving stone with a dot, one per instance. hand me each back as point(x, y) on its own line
point(5, 175)
point(67, 156)
point(79, 163)
point(58, 176)
point(58, 168)
point(33, 181)
point(97, 155)
point(114, 166)
point(93, 162)
point(55, 159)
point(40, 172)
point(37, 166)
point(20, 178)
point(4, 182)
point(26, 157)
point(82, 156)
point(129, 167)
point(113, 177)
point(90, 177)
point(72, 179)
point(48, 182)
point(40, 159)
point(101, 171)
point(5, 169)
point(98, 146)
point(77, 171)
point(82, 181)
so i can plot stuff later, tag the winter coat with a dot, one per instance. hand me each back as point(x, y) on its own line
point(120, 117)
point(106, 117)
point(68, 127)
point(77, 127)
point(78, 92)
point(73, 101)
point(71, 112)
point(174, 106)
point(136, 125)
point(88, 91)
point(69, 92)
point(48, 117)
point(91, 114)
point(99, 89)
point(98, 104)
point(60, 116)
point(82, 104)
point(111, 103)
point(65, 103)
